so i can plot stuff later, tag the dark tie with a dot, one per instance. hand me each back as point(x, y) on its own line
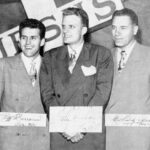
point(72, 58)
point(122, 61)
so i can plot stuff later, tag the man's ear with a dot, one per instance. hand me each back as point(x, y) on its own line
point(84, 30)
point(136, 28)
point(42, 42)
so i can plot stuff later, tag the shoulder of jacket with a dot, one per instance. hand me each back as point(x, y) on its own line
point(99, 48)
point(53, 51)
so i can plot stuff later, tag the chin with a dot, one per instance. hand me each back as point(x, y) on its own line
point(29, 55)
point(119, 44)
point(67, 42)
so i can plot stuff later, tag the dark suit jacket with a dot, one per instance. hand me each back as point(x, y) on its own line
point(60, 88)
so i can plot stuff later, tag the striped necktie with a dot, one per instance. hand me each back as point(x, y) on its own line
point(33, 73)
point(122, 60)
point(72, 62)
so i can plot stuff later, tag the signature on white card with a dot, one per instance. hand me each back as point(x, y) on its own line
point(22, 119)
point(128, 120)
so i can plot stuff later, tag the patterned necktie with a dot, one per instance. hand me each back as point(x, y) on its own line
point(72, 62)
point(122, 61)
point(33, 73)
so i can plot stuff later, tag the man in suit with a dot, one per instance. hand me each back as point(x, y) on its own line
point(20, 92)
point(76, 74)
point(131, 85)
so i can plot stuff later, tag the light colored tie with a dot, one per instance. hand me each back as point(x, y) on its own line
point(122, 60)
point(33, 73)
point(72, 62)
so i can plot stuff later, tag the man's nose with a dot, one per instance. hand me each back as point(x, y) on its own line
point(65, 30)
point(117, 31)
point(28, 41)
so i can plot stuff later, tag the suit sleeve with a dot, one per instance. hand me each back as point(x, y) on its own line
point(1, 80)
point(46, 83)
point(104, 78)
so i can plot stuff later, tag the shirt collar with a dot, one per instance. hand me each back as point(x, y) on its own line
point(128, 51)
point(129, 48)
point(76, 51)
point(27, 61)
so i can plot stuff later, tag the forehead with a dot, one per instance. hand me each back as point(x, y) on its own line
point(121, 20)
point(30, 31)
point(71, 19)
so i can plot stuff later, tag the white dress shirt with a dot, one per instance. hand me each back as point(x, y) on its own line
point(127, 50)
point(75, 52)
point(28, 61)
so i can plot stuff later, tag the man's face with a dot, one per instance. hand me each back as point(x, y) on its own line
point(30, 41)
point(73, 30)
point(123, 31)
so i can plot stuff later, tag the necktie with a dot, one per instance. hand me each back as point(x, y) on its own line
point(122, 61)
point(72, 58)
point(33, 73)
point(72, 62)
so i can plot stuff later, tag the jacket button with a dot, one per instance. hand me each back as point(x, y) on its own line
point(85, 95)
point(18, 134)
point(54, 94)
point(17, 99)
point(58, 95)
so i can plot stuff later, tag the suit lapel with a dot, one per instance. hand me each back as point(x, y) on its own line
point(61, 64)
point(77, 79)
point(20, 67)
point(133, 59)
point(77, 75)
point(134, 56)
point(114, 54)
point(84, 55)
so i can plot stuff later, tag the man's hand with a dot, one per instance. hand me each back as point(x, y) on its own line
point(73, 137)
point(67, 136)
point(77, 137)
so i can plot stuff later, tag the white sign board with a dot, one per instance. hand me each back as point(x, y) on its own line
point(75, 119)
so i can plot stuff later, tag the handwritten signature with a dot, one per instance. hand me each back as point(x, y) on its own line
point(132, 120)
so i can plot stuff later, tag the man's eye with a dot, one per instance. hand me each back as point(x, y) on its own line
point(33, 38)
point(68, 27)
point(23, 37)
point(72, 26)
point(123, 27)
point(63, 26)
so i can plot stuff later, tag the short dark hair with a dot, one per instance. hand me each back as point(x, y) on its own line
point(126, 12)
point(32, 23)
point(78, 12)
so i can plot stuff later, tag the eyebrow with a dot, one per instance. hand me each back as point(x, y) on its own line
point(30, 36)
